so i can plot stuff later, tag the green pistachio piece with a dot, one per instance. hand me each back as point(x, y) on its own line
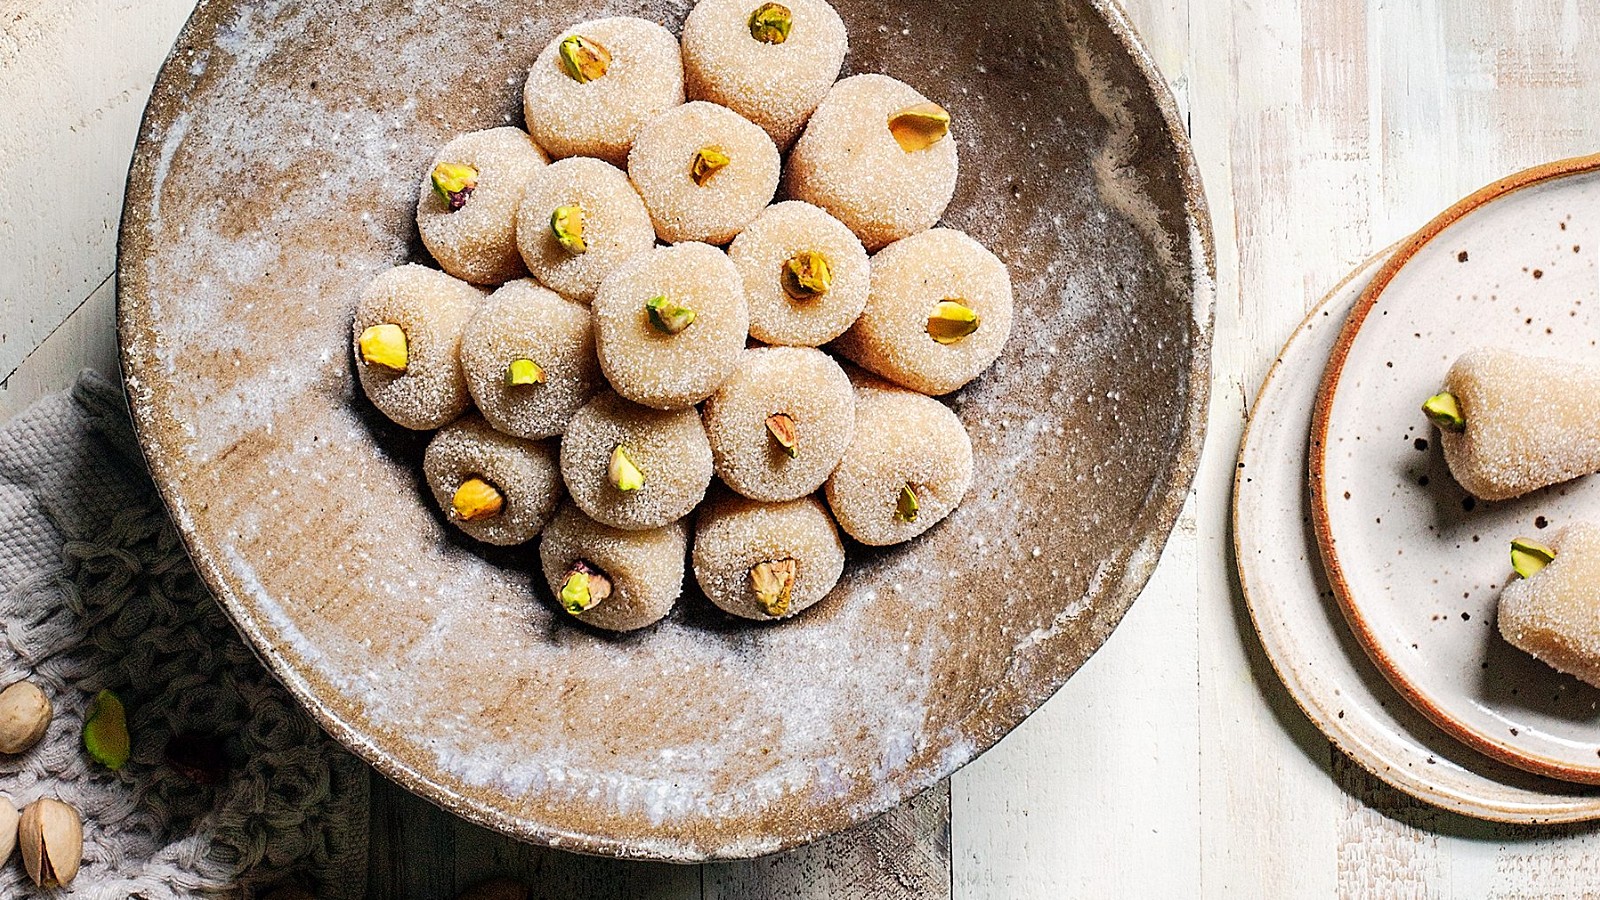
point(454, 183)
point(906, 506)
point(770, 23)
point(1444, 411)
point(773, 584)
point(1528, 558)
point(584, 588)
point(583, 59)
point(781, 427)
point(668, 316)
point(105, 731)
point(524, 372)
point(806, 276)
point(624, 475)
point(951, 321)
point(707, 162)
point(384, 346)
point(566, 223)
point(919, 127)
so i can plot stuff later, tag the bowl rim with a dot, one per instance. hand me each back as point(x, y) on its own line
point(986, 724)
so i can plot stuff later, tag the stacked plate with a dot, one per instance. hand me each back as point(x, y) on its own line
point(1372, 577)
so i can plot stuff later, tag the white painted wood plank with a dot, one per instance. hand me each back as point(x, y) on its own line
point(86, 340)
point(74, 77)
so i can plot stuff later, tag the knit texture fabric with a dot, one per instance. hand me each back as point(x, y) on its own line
point(96, 592)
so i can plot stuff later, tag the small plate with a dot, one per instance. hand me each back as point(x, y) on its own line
point(1304, 634)
point(1416, 563)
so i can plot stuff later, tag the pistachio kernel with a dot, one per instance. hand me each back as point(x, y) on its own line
point(707, 162)
point(454, 183)
point(524, 371)
point(624, 475)
point(770, 23)
point(951, 321)
point(781, 427)
point(668, 316)
point(384, 346)
point(105, 731)
point(585, 588)
point(919, 127)
point(906, 505)
point(566, 223)
point(773, 584)
point(476, 500)
point(1444, 411)
point(1528, 557)
point(583, 59)
point(806, 275)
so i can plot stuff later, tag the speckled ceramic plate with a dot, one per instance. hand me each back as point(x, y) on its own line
point(1416, 563)
point(1305, 635)
point(276, 171)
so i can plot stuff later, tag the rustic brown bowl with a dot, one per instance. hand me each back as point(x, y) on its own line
point(276, 171)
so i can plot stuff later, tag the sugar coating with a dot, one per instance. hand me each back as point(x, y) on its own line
point(803, 383)
point(848, 163)
point(670, 371)
point(670, 448)
point(715, 211)
point(776, 86)
point(615, 224)
point(525, 321)
point(645, 567)
point(901, 438)
point(600, 118)
point(909, 278)
point(772, 239)
point(1555, 615)
point(734, 534)
point(1530, 422)
point(432, 309)
point(524, 472)
point(478, 242)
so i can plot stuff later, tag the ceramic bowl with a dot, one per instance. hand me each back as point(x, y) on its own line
point(276, 171)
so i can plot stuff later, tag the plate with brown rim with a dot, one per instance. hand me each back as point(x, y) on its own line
point(275, 172)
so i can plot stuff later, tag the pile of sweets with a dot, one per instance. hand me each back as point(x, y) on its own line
point(655, 318)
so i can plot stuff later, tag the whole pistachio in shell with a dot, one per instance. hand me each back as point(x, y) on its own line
point(8, 829)
point(24, 716)
point(51, 835)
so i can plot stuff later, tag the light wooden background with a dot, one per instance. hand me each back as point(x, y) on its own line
point(1173, 765)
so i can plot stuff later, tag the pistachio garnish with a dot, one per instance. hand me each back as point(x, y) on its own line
point(584, 60)
point(566, 223)
point(524, 371)
point(624, 475)
point(806, 275)
point(781, 427)
point(773, 584)
point(1529, 558)
point(919, 127)
point(476, 500)
point(707, 162)
point(770, 23)
point(584, 588)
point(51, 835)
point(951, 321)
point(384, 346)
point(8, 830)
point(454, 183)
point(906, 505)
point(668, 316)
point(24, 717)
point(1444, 411)
point(105, 731)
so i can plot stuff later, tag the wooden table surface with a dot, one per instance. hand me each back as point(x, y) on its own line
point(1174, 764)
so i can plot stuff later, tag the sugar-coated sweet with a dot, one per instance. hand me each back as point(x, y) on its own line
point(599, 202)
point(806, 275)
point(467, 209)
point(528, 354)
point(669, 325)
point(631, 71)
point(407, 336)
point(1555, 614)
point(1527, 422)
point(773, 83)
point(497, 488)
point(909, 466)
point(633, 467)
point(781, 424)
point(849, 163)
point(766, 561)
point(938, 313)
point(704, 172)
point(609, 578)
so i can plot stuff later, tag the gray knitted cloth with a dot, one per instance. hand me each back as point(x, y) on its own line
point(96, 592)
